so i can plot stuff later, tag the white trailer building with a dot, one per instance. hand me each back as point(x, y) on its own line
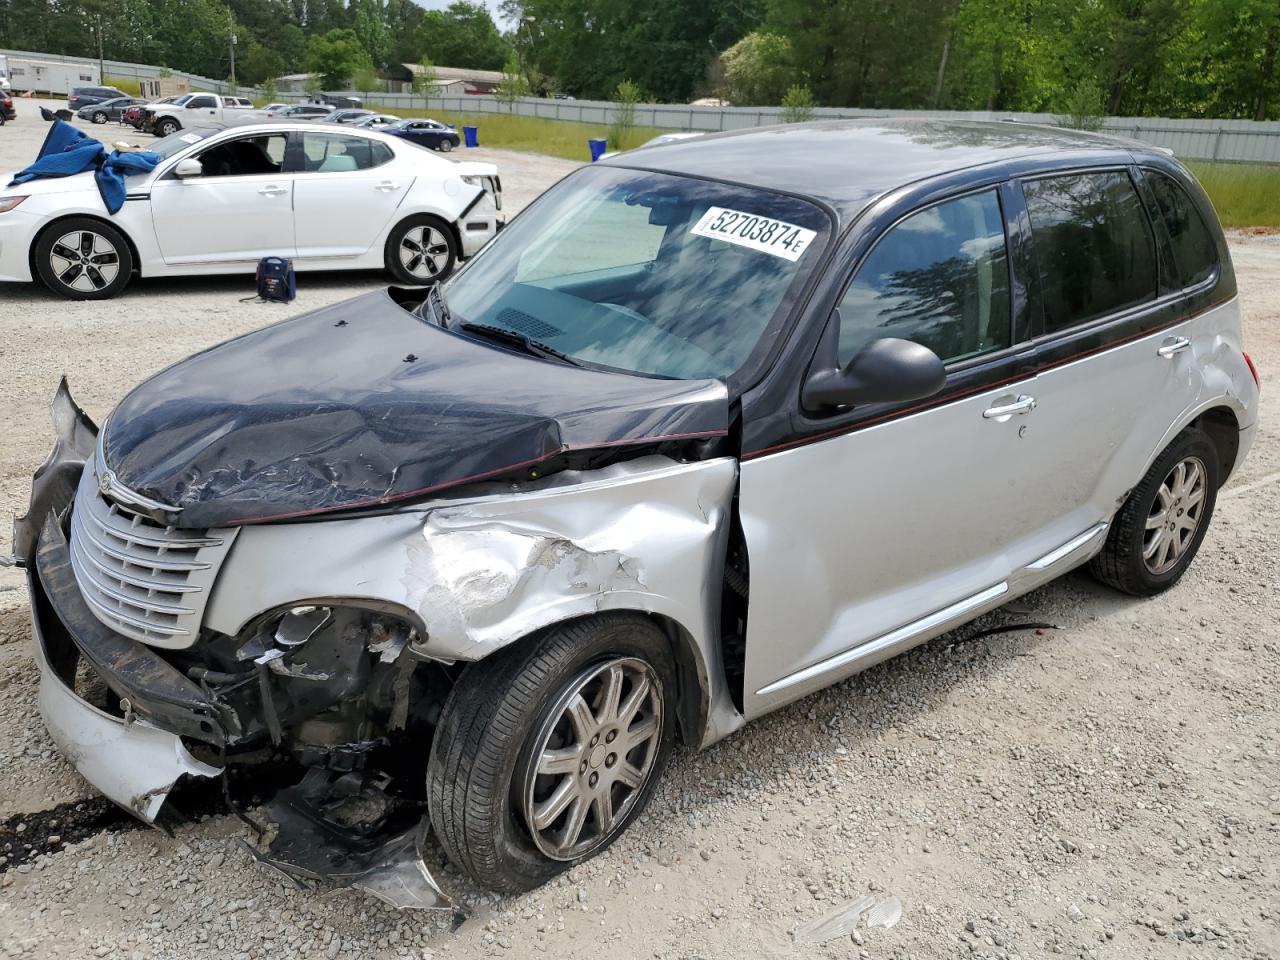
point(50, 76)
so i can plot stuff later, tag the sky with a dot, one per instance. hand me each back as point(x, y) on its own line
point(491, 4)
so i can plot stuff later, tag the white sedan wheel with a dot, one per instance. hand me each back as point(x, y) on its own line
point(84, 261)
point(424, 252)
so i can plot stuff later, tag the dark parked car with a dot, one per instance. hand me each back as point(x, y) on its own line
point(7, 112)
point(108, 109)
point(88, 96)
point(426, 133)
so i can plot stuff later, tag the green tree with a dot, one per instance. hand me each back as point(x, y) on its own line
point(366, 79)
point(465, 36)
point(372, 29)
point(336, 56)
point(797, 104)
point(1085, 106)
point(757, 69)
point(625, 97)
point(512, 86)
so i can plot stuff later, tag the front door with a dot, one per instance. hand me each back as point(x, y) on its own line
point(880, 519)
point(347, 191)
point(238, 210)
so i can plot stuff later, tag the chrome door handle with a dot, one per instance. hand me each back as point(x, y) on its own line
point(1172, 346)
point(1024, 404)
point(386, 186)
point(273, 191)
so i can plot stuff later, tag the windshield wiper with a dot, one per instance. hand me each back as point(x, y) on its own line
point(530, 346)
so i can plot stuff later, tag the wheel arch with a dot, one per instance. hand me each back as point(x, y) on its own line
point(1222, 426)
point(63, 217)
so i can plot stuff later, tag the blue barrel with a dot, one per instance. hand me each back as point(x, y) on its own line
point(471, 136)
point(598, 148)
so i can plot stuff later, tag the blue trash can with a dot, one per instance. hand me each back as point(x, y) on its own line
point(598, 148)
point(471, 136)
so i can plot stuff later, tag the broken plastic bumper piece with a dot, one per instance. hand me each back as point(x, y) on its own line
point(312, 846)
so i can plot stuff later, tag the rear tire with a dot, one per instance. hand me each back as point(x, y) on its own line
point(533, 731)
point(83, 259)
point(446, 146)
point(1158, 531)
point(420, 250)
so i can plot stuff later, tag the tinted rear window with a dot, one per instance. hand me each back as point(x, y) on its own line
point(1093, 246)
point(1195, 255)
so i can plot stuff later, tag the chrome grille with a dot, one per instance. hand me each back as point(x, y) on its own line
point(141, 578)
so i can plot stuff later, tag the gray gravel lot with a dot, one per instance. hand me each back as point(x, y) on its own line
point(1108, 789)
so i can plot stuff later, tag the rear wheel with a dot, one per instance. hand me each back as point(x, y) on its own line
point(420, 250)
point(1157, 532)
point(446, 145)
point(83, 259)
point(544, 754)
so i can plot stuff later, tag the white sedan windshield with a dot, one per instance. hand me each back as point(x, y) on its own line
point(644, 272)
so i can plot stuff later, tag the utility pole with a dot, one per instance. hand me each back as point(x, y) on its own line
point(231, 31)
point(102, 70)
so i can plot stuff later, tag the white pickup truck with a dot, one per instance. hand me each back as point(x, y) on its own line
point(190, 110)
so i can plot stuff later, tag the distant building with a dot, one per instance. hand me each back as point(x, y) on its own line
point(450, 81)
point(163, 87)
point(50, 76)
point(293, 83)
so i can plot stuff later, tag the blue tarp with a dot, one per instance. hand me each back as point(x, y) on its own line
point(67, 151)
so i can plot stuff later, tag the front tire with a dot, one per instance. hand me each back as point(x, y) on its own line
point(83, 259)
point(420, 250)
point(166, 128)
point(1158, 531)
point(99, 117)
point(545, 753)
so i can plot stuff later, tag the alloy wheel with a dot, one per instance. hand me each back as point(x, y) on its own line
point(84, 261)
point(1175, 515)
point(424, 252)
point(588, 764)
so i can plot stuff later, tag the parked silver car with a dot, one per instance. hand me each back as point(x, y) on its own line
point(709, 427)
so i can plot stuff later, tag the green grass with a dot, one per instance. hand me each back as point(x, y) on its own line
point(1244, 194)
point(556, 138)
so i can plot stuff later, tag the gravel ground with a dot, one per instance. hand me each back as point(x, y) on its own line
point(1108, 789)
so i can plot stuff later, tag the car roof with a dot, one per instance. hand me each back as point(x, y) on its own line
point(846, 164)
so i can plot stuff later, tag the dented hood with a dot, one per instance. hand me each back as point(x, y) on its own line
point(363, 403)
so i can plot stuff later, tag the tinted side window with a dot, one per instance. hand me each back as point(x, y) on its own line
point(201, 102)
point(940, 278)
point(247, 156)
point(1195, 254)
point(1093, 246)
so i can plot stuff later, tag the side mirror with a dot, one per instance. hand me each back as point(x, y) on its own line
point(190, 167)
point(884, 371)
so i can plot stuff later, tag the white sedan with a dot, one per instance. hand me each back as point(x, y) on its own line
point(225, 196)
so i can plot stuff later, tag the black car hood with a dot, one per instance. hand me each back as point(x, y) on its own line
point(362, 404)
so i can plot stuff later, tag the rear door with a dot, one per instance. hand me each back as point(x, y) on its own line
point(1115, 363)
point(239, 210)
point(347, 189)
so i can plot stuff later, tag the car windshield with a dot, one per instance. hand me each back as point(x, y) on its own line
point(643, 272)
point(177, 142)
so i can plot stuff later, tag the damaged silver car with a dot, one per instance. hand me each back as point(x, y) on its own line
point(711, 426)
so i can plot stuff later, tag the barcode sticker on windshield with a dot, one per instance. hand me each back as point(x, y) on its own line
point(191, 138)
point(765, 234)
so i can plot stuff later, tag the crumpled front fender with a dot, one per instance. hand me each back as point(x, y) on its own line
point(482, 572)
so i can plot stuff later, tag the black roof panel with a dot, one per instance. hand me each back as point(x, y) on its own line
point(848, 163)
